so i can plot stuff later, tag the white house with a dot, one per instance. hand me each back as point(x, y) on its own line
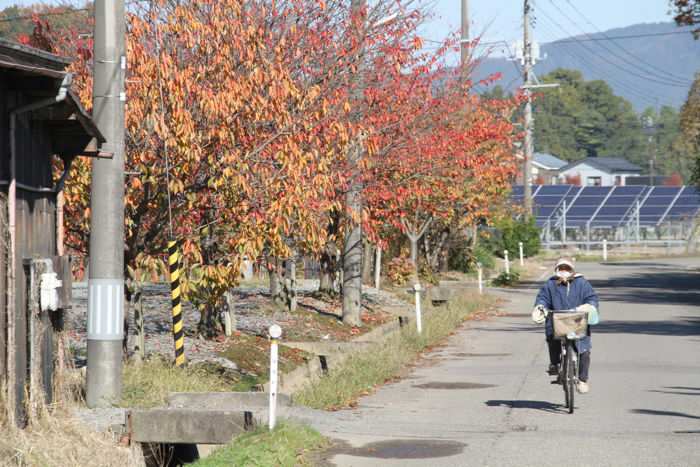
point(600, 171)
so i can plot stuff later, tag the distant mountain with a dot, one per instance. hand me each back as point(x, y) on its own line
point(655, 68)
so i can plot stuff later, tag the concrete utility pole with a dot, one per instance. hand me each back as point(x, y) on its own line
point(527, 78)
point(106, 275)
point(352, 249)
point(464, 46)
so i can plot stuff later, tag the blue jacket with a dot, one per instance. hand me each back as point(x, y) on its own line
point(557, 296)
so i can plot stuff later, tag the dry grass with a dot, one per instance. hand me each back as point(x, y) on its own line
point(364, 371)
point(54, 438)
point(148, 384)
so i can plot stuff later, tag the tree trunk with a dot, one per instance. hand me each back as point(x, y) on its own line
point(475, 235)
point(352, 250)
point(327, 267)
point(208, 323)
point(136, 305)
point(441, 249)
point(229, 313)
point(274, 275)
point(367, 256)
point(290, 284)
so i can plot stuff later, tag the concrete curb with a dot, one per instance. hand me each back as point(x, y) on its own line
point(334, 353)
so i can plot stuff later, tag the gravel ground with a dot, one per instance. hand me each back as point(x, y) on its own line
point(157, 319)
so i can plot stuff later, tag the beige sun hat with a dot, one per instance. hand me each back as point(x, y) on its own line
point(565, 261)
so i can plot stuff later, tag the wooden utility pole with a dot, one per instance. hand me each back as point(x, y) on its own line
point(527, 78)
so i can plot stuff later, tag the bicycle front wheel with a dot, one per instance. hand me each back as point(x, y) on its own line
point(570, 381)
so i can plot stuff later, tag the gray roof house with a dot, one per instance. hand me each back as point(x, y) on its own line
point(544, 168)
point(545, 161)
point(600, 171)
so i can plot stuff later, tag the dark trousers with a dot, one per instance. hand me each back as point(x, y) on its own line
point(584, 359)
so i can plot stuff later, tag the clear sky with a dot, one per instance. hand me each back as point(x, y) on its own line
point(502, 19)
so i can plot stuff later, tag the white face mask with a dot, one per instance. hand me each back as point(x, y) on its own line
point(564, 274)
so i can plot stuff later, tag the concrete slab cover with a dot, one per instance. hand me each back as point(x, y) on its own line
point(185, 426)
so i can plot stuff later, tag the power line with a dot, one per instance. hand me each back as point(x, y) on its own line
point(607, 60)
point(641, 94)
point(590, 38)
point(664, 80)
point(616, 38)
point(625, 50)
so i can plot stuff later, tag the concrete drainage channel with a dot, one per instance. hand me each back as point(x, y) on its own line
point(193, 424)
point(329, 355)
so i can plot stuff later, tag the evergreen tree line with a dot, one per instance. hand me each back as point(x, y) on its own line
point(582, 119)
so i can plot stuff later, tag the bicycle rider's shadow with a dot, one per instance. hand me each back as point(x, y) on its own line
point(523, 404)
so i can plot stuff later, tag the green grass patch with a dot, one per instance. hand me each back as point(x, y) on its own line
point(506, 279)
point(365, 370)
point(287, 445)
point(148, 384)
point(252, 354)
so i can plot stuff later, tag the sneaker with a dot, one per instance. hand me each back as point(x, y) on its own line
point(582, 387)
point(553, 370)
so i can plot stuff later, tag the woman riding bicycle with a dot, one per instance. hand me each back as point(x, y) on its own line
point(567, 290)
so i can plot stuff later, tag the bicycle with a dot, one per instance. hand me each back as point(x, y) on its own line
point(569, 326)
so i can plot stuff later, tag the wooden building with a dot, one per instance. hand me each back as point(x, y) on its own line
point(43, 127)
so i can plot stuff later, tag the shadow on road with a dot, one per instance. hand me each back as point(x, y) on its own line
point(678, 390)
point(667, 287)
point(525, 404)
point(644, 283)
point(641, 264)
point(664, 413)
point(683, 326)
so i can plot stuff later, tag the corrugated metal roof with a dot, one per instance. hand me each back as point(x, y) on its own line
point(19, 56)
point(549, 161)
point(607, 164)
point(15, 56)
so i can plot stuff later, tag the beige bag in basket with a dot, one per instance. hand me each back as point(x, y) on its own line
point(565, 323)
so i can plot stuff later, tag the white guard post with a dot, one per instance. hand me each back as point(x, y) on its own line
point(378, 267)
point(275, 333)
point(506, 261)
point(419, 324)
point(480, 273)
point(605, 250)
point(520, 246)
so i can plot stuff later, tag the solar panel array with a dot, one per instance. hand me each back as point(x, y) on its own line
point(610, 206)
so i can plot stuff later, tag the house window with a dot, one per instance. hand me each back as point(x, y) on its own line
point(594, 181)
point(618, 180)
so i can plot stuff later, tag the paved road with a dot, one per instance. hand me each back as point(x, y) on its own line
point(484, 400)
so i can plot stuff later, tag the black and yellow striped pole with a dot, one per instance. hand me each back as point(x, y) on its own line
point(178, 331)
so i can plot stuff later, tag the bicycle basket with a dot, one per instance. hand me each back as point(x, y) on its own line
point(566, 323)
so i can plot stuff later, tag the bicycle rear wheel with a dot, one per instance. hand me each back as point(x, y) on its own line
point(570, 382)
